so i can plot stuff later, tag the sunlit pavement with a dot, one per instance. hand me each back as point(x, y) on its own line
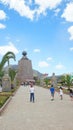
point(43, 114)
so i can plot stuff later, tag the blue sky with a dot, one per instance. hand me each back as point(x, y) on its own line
point(43, 28)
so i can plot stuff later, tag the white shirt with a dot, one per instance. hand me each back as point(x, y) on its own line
point(31, 89)
point(61, 92)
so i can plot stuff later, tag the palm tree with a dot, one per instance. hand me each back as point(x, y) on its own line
point(12, 74)
point(6, 57)
point(63, 79)
point(68, 81)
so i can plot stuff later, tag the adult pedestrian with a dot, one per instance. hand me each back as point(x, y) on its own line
point(52, 90)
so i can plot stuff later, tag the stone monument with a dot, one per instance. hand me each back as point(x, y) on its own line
point(6, 83)
point(54, 80)
point(25, 72)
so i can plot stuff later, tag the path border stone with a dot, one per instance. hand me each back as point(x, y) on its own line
point(5, 105)
point(7, 102)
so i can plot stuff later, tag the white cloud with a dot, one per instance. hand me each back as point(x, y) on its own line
point(6, 48)
point(56, 11)
point(44, 4)
point(36, 50)
point(28, 2)
point(68, 12)
point(43, 64)
point(49, 59)
point(2, 15)
point(71, 49)
point(2, 26)
point(60, 66)
point(70, 30)
point(24, 9)
point(17, 40)
point(20, 7)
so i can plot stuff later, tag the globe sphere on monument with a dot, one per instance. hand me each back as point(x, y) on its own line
point(24, 53)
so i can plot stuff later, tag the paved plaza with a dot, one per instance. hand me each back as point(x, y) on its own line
point(44, 114)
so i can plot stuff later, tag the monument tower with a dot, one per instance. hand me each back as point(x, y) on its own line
point(54, 80)
point(25, 71)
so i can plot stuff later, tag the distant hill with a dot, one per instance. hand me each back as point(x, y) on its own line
point(35, 72)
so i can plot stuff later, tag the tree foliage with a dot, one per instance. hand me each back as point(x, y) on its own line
point(66, 80)
point(12, 74)
point(9, 55)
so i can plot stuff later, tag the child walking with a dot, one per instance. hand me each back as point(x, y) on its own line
point(31, 92)
point(61, 93)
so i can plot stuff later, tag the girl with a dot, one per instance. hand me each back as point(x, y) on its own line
point(61, 93)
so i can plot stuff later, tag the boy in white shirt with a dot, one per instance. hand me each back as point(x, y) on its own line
point(31, 92)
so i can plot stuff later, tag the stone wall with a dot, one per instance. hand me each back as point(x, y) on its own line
point(6, 83)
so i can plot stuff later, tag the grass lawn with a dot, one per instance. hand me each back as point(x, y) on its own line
point(5, 95)
point(3, 99)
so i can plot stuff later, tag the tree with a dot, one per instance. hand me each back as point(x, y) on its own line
point(12, 74)
point(68, 81)
point(9, 55)
point(63, 79)
point(46, 81)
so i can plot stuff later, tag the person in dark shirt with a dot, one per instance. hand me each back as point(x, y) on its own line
point(71, 93)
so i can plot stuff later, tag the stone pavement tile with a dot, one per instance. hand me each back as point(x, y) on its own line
point(44, 114)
